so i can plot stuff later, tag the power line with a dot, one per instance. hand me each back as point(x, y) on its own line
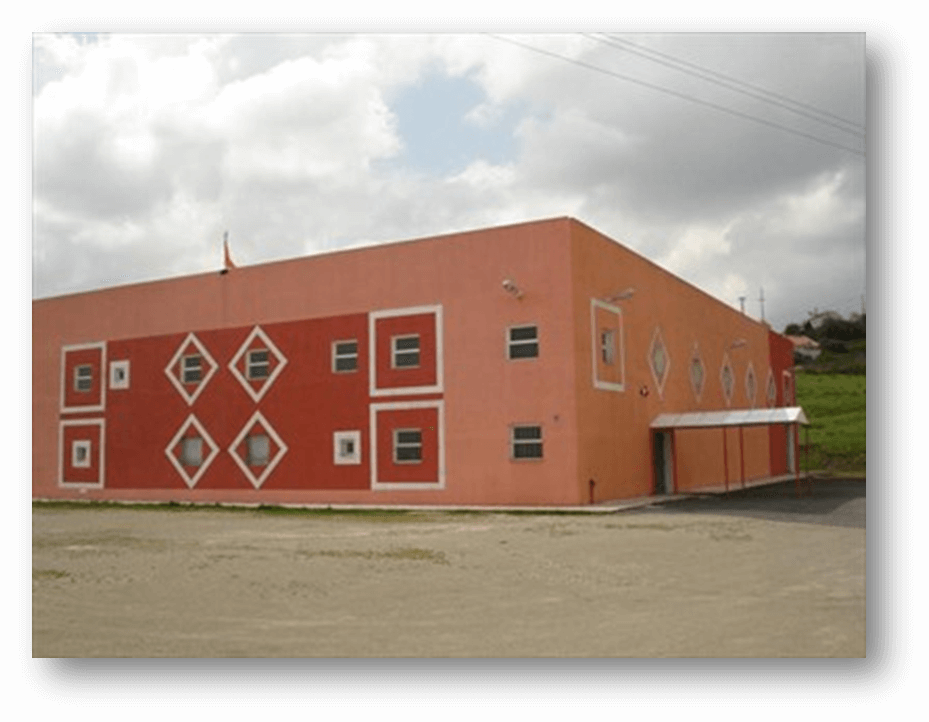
point(677, 94)
point(753, 91)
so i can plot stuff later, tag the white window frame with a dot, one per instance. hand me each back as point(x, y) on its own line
point(337, 356)
point(514, 442)
point(115, 368)
point(88, 377)
point(394, 351)
point(252, 364)
point(248, 449)
point(510, 342)
point(76, 446)
point(397, 444)
point(185, 368)
point(339, 455)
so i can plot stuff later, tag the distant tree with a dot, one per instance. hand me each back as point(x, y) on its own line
point(793, 329)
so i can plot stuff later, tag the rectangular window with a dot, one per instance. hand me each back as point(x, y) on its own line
point(83, 377)
point(608, 347)
point(258, 364)
point(523, 342)
point(119, 374)
point(192, 451)
point(346, 447)
point(526, 442)
point(190, 368)
point(404, 352)
point(408, 446)
point(259, 450)
point(344, 356)
point(80, 454)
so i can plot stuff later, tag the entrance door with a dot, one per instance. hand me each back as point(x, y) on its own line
point(663, 463)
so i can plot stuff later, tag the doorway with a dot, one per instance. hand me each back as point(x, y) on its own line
point(664, 481)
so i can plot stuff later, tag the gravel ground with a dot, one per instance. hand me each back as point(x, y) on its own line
point(743, 576)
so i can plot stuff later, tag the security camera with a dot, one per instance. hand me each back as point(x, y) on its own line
point(511, 288)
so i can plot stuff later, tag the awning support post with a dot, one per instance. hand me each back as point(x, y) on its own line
point(725, 458)
point(794, 432)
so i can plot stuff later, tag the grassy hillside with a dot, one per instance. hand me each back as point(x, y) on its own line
point(835, 406)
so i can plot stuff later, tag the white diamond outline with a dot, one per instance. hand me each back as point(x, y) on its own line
point(771, 398)
point(233, 365)
point(659, 383)
point(178, 384)
point(282, 449)
point(191, 420)
point(695, 356)
point(727, 363)
point(750, 374)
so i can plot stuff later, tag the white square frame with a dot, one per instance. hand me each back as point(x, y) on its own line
point(439, 483)
point(101, 454)
point(76, 446)
point(64, 409)
point(373, 318)
point(620, 359)
point(115, 368)
point(340, 459)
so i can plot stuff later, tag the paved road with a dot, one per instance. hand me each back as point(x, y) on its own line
point(833, 502)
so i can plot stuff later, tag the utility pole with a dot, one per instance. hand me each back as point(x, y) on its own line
point(742, 304)
point(761, 298)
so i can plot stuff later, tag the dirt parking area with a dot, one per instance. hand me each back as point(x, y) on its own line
point(706, 581)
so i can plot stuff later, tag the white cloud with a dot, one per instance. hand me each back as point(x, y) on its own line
point(148, 147)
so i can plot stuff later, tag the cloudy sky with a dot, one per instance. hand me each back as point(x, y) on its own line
point(736, 161)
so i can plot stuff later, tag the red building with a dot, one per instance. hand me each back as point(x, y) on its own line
point(533, 364)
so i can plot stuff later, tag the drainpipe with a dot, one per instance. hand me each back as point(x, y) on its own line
point(592, 484)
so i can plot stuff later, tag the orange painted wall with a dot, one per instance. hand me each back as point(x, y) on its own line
point(613, 427)
point(484, 393)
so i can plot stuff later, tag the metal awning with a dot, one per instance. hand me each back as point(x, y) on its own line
point(737, 417)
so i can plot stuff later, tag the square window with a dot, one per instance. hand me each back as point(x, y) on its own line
point(523, 342)
point(404, 352)
point(259, 450)
point(80, 454)
point(257, 364)
point(526, 442)
point(83, 377)
point(344, 356)
point(191, 368)
point(346, 447)
point(192, 451)
point(608, 347)
point(119, 375)
point(408, 446)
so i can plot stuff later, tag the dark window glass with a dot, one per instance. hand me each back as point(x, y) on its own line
point(524, 350)
point(407, 344)
point(349, 363)
point(527, 451)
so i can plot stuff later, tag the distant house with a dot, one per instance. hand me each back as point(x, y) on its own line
point(805, 347)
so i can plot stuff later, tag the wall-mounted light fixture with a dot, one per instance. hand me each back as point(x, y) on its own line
point(511, 288)
point(621, 296)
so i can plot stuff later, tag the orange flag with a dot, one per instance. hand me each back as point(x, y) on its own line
point(227, 259)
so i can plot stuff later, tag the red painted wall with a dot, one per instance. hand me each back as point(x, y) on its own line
point(304, 405)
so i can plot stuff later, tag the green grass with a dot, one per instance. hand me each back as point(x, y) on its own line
point(835, 405)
